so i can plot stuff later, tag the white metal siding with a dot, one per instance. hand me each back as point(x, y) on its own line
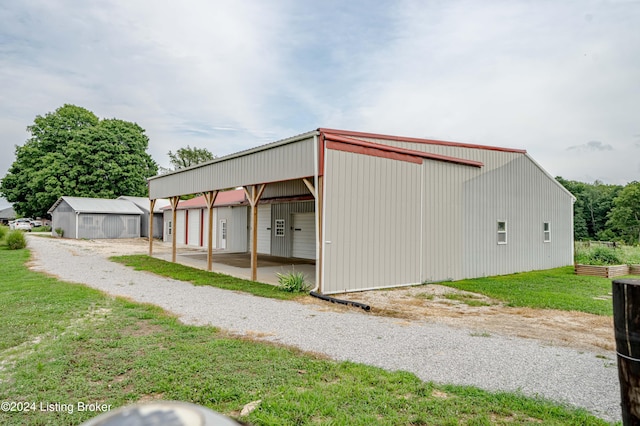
point(97, 225)
point(522, 195)
point(279, 163)
point(64, 217)
point(237, 230)
point(491, 159)
point(290, 188)
point(442, 218)
point(264, 229)
point(194, 226)
point(304, 235)
point(281, 246)
point(372, 222)
point(179, 227)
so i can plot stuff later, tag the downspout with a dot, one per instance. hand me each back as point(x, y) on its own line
point(77, 220)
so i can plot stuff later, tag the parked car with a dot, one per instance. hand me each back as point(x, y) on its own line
point(22, 225)
point(36, 223)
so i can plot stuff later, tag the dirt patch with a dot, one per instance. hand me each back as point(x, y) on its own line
point(484, 316)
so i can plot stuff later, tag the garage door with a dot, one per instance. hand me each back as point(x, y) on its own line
point(304, 235)
point(264, 229)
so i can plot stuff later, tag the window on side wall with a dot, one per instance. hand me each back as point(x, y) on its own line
point(502, 232)
point(279, 227)
point(547, 231)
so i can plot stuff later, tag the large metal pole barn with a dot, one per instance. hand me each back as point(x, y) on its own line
point(392, 211)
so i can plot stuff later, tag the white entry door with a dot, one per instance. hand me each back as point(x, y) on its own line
point(223, 234)
point(304, 235)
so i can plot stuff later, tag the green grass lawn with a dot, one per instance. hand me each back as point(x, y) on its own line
point(558, 288)
point(66, 343)
point(199, 277)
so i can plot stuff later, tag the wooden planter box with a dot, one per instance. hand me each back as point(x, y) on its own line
point(602, 271)
point(634, 269)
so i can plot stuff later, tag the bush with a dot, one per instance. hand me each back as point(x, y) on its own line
point(45, 228)
point(599, 256)
point(16, 240)
point(3, 232)
point(293, 282)
point(60, 232)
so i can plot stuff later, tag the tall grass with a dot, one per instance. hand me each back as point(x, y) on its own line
point(595, 253)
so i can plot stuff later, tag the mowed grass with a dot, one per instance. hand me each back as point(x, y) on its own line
point(200, 277)
point(558, 288)
point(65, 343)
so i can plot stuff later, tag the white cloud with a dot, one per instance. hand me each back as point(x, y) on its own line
point(542, 76)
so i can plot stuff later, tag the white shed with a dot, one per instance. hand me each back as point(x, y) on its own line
point(390, 211)
point(143, 204)
point(91, 218)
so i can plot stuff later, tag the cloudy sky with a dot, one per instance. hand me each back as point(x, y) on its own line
point(558, 78)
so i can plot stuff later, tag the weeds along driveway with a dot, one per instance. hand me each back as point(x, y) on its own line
point(434, 352)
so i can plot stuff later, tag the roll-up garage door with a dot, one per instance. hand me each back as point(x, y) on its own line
point(304, 235)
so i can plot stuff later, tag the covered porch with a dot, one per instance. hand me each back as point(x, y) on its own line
point(239, 265)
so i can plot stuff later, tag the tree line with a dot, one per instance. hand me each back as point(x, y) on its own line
point(74, 153)
point(605, 212)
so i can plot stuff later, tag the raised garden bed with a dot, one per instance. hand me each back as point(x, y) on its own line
point(634, 269)
point(604, 271)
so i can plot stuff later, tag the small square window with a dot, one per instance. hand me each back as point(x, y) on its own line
point(502, 232)
point(279, 227)
point(547, 231)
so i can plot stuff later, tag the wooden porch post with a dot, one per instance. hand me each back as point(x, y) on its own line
point(254, 197)
point(210, 198)
point(152, 205)
point(174, 215)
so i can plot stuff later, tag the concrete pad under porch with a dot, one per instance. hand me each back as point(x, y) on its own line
point(239, 264)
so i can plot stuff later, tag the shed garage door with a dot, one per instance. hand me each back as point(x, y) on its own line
point(304, 235)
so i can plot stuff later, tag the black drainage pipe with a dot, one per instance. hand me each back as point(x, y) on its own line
point(340, 301)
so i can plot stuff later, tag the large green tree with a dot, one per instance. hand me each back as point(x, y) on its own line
point(72, 152)
point(185, 157)
point(624, 218)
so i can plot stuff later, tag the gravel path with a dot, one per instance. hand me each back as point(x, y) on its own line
point(433, 352)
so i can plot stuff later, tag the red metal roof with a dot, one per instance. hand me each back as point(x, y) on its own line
point(224, 198)
point(395, 152)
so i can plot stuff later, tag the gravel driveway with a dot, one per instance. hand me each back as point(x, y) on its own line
point(434, 352)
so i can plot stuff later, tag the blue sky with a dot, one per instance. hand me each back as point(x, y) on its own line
point(560, 79)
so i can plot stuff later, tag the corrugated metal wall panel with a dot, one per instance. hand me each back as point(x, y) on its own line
point(282, 246)
point(194, 227)
point(442, 219)
point(64, 217)
point(520, 194)
point(264, 229)
point(289, 188)
point(237, 228)
point(94, 225)
point(285, 162)
point(144, 225)
point(491, 159)
point(158, 225)
point(180, 227)
point(372, 222)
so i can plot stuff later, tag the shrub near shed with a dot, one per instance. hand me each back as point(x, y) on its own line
point(16, 240)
